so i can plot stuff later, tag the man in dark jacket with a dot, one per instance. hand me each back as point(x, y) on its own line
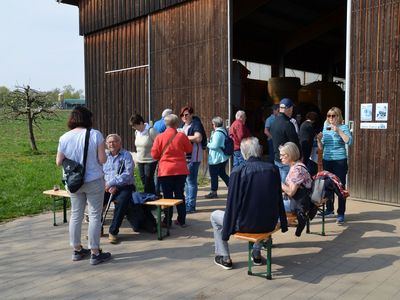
point(254, 203)
point(283, 131)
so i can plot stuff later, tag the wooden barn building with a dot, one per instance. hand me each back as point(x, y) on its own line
point(146, 55)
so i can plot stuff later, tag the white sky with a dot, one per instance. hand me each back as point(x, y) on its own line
point(40, 45)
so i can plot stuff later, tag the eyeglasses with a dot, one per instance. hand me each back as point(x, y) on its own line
point(283, 154)
point(331, 116)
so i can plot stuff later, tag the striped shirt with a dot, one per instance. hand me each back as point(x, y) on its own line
point(334, 146)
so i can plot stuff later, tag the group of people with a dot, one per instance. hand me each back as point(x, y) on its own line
point(257, 188)
point(168, 156)
point(173, 148)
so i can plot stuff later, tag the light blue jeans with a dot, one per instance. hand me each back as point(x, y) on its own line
point(222, 247)
point(91, 193)
point(191, 186)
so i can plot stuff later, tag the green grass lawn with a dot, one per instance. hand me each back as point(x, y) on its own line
point(25, 174)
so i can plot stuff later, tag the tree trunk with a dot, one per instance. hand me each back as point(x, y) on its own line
point(31, 135)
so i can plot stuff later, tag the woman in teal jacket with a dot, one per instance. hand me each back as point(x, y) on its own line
point(216, 158)
point(333, 140)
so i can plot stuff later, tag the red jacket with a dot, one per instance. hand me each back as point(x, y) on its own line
point(173, 161)
point(238, 132)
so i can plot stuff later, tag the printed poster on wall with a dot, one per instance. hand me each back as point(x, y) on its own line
point(366, 112)
point(381, 112)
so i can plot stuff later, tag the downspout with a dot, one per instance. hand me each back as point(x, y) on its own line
point(229, 74)
point(348, 58)
point(149, 68)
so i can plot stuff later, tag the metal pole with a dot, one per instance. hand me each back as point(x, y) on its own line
point(149, 65)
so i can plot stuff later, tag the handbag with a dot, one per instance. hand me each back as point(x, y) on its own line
point(74, 172)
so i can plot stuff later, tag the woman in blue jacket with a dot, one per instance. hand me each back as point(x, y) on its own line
point(216, 158)
point(333, 140)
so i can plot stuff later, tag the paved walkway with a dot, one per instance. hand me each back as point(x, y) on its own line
point(357, 261)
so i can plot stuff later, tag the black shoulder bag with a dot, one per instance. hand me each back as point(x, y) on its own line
point(74, 172)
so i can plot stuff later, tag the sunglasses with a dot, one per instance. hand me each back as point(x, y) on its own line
point(331, 116)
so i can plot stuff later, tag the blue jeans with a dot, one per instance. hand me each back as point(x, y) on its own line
point(283, 170)
point(215, 171)
point(122, 202)
point(339, 168)
point(191, 186)
point(237, 158)
point(222, 247)
point(173, 187)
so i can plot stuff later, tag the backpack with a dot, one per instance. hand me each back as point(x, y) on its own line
point(318, 192)
point(228, 144)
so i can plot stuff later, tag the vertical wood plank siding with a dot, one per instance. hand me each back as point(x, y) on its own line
point(188, 62)
point(99, 14)
point(375, 78)
point(113, 97)
point(189, 59)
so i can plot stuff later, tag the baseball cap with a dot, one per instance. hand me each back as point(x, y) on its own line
point(286, 103)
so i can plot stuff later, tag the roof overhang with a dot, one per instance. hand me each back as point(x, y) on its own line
point(71, 2)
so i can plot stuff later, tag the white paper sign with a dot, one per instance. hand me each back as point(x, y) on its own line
point(366, 112)
point(381, 112)
point(373, 125)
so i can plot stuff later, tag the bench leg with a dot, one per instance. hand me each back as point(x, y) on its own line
point(249, 261)
point(323, 220)
point(159, 233)
point(269, 258)
point(65, 209)
point(54, 212)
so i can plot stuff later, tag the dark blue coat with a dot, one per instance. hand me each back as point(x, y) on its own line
point(254, 201)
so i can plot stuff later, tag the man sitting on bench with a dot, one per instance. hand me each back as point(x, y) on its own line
point(254, 203)
point(119, 182)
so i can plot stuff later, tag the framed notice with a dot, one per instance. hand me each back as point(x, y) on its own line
point(373, 125)
point(381, 112)
point(366, 112)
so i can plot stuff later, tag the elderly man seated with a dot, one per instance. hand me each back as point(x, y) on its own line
point(254, 203)
point(119, 182)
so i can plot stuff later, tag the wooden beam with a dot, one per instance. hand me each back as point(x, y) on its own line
point(242, 9)
point(315, 29)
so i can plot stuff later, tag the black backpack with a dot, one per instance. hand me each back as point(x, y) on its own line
point(228, 144)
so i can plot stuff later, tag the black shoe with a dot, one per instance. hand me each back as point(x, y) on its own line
point(81, 254)
point(99, 258)
point(257, 261)
point(225, 264)
point(211, 195)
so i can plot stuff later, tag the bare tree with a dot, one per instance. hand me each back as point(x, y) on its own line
point(25, 103)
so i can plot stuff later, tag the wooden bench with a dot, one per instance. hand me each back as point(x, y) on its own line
point(58, 196)
point(161, 204)
point(266, 239)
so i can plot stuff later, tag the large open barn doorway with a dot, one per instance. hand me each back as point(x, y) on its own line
point(287, 38)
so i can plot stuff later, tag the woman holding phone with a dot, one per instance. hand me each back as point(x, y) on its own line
point(332, 140)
